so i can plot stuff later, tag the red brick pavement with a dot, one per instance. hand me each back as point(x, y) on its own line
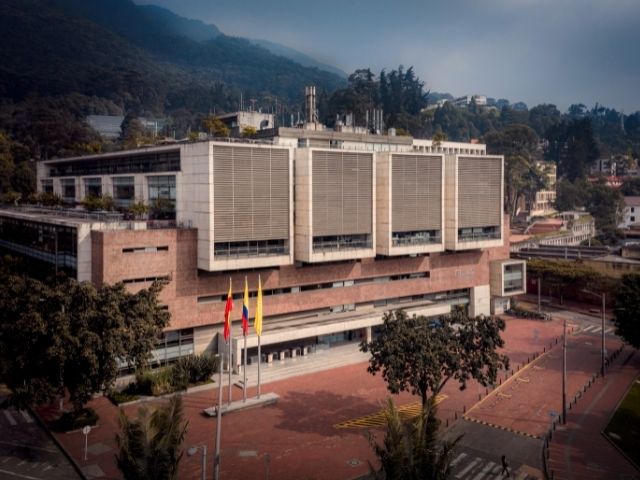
point(579, 450)
point(525, 401)
point(298, 431)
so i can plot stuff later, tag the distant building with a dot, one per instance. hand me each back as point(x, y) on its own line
point(630, 213)
point(466, 100)
point(544, 202)
point(237, 121)
point(108, 126)
point(565, 229)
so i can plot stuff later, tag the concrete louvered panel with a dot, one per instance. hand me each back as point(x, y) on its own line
point(251, 193)
point(416, 193)
point(479, 191)
point(342, 185)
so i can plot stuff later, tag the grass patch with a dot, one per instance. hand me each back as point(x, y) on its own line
point(75, 420)
point(624, 427)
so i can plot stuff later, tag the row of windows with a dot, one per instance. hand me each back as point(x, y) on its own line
point(164, 278)
point(45, 237)
point(316, 286)
point(478, 233)
point(163, 248)
point(140, 163)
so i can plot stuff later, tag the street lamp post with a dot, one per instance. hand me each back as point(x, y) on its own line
point(539, 294)
point(564, 373)
point(603, 325)
point(193, 450)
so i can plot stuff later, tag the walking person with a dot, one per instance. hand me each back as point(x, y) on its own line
point(505, 466)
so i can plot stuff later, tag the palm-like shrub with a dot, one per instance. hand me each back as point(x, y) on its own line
point(412, 450)
point(149, 446)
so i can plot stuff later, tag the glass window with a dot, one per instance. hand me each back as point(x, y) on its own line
point(68, 187)
point(123, 191)
point(47, 185)
point(162, 196)
point(93, 187)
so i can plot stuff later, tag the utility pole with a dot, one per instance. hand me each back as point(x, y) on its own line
point(564, 373)
point(603, 325)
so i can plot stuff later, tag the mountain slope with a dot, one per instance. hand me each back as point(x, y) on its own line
point(296, 56)
point(193, 29)
point(114, 49)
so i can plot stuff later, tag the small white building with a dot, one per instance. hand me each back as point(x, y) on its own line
point(631, 212)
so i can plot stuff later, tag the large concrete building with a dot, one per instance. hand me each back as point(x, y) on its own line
point(341, 227)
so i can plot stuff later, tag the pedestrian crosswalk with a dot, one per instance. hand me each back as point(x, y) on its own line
point(467, 466)
point(13, 417)
point(598, 329)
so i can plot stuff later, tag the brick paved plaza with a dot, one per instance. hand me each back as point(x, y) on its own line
point(298, 434)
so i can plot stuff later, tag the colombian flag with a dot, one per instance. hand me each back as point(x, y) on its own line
point(245, 309)
point(227, 314)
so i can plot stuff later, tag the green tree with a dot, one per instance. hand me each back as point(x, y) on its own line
point(248, 131)
point(70, 336)
point(521, 174)
point(215, 126)
point(413, 451)
point(420, 355)
point(23, 179)
point(562, 274)
point(573, 147)
point(627, 306)
point(132, 131)
point(149, 448)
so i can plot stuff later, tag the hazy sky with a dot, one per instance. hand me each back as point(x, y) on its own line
point(537, 51)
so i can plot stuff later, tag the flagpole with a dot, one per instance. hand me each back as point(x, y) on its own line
point(259, 362)
point(230, 360)
point(244, 370)
point(216, 458)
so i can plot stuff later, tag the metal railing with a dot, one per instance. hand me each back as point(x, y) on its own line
point(337, 246)
point(411, 241)
point(251, 251)
point(472, 237)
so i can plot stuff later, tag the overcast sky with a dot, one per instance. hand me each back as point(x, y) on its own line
point(537, 51)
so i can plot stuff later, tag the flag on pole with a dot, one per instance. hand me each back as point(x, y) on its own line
point(245, 309)
point(227, 314)
point(257, 322)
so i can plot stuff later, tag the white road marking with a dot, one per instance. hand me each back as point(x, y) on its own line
point(18, 475)
point(12, 420)
point(484, 471)
point(609, 330)
point(26, 416)
point(457, 459)
point(590, 327)
point(469, 467)
point(597, 330)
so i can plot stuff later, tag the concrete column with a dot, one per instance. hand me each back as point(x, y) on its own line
point(367, 334)
point(480, 301)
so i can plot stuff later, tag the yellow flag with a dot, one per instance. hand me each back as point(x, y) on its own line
point(257, 322)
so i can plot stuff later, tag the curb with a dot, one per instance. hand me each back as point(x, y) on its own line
point(500, 427)
point(65, 452)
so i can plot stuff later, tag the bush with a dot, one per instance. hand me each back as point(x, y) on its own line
point(192, 369)
point(124, 396)
point(199, 368)
point(75, 420)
